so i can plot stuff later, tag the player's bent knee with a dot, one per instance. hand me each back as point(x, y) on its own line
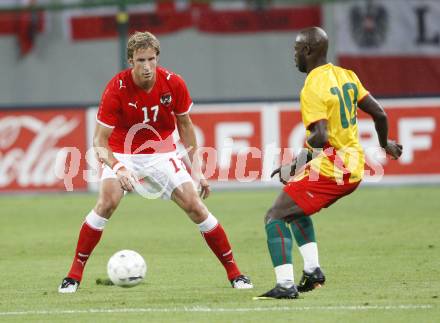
point(269, 216)
point(196, 210)
point(106, 206)
point(273, 213)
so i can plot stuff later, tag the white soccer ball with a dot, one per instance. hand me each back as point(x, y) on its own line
point(126, 268)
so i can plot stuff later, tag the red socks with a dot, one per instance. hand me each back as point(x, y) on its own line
point(218, 242)
point(87, 241)
point(91, 232)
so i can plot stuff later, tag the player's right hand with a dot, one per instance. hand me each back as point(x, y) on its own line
point(393, 149)
point(205, 190)
point(126, 178)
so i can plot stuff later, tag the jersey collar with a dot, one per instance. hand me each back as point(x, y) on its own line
point(318, 69)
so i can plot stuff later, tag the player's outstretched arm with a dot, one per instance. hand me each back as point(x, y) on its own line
point(104, 154)
point(370, 105)
point(187, 134)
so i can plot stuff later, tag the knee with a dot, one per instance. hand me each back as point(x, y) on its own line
point(270, 215)
point(196, 210)
point(106, 205)
point(275, 213)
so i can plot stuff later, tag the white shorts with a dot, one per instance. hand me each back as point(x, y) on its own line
point(159, 174)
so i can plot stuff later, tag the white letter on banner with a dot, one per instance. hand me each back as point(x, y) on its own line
point(411, 141)
point(226, 145)
point(240, 170)
point(61, 165)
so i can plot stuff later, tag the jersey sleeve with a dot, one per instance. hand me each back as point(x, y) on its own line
point(362, 92)
point(109, 108)
point(183, 102)
point(313, 107)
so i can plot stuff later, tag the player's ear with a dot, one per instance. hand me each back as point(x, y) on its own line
point(307, 50)
point(130, 62)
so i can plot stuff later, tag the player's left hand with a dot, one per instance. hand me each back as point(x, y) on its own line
point(393, 149)
point(205, 190)
point(127, 179)
point(285, 172)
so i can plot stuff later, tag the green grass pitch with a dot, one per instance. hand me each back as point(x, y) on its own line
point(379, 248)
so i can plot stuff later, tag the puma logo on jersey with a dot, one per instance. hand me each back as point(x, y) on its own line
point(134, 105)
point(121, 85)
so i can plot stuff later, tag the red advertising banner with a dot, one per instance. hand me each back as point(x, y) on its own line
point(45, 150)
point(418, 129)
point(30, 143)
point(233, 136)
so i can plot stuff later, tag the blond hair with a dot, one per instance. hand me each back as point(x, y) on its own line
point(142, 40)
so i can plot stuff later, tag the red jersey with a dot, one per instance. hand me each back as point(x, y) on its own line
point(144, 120)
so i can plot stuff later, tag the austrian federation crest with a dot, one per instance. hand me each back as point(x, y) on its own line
point(166, 99)
point(369, 24)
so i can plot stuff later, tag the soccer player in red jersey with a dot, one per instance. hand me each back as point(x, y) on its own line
point(329, 168)
point(139, 110)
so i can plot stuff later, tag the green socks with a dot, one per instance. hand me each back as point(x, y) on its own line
point(305, 238)
point(279, 241)
point(303, 230)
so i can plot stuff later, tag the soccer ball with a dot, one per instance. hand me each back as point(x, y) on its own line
point(126, 268)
